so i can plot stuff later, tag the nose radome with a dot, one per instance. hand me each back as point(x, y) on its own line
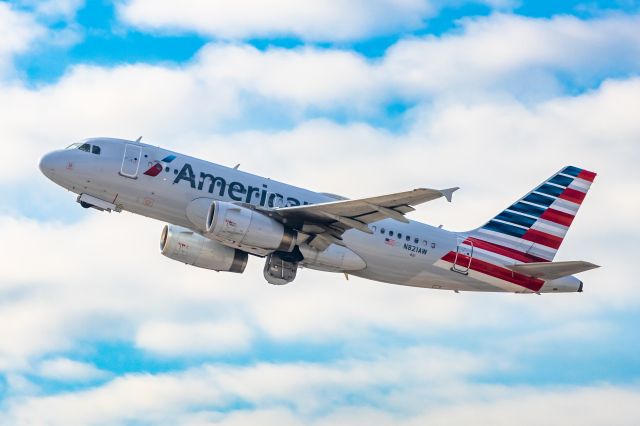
point(45, 163)
point(48, 164)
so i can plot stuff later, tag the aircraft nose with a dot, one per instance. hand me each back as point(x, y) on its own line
point(45, 164)
point(49, 164)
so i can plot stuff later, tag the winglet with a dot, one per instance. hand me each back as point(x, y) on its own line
point(448, 193)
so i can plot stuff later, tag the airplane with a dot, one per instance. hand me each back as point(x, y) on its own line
point(217, 216)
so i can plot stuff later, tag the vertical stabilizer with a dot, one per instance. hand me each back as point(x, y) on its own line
point(532, 229)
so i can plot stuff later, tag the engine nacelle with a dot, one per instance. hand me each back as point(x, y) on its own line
point(189, 247)
point(241, 226)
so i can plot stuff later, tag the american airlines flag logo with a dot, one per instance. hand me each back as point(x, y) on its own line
point(157, 167)
point(390, 242)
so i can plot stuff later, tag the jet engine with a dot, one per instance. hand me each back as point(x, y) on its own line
point(242, 227)
point(189, 247)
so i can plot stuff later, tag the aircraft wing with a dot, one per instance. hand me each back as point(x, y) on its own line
point(326, 222)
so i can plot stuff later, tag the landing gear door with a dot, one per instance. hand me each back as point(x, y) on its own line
point(464, 254)
point(131, 161)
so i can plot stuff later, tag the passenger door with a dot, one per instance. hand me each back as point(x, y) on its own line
point(131, 161)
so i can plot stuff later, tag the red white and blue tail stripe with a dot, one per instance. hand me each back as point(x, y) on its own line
point(532, 229)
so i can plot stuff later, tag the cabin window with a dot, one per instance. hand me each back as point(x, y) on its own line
point(408, 238)
point(95, 149)
point(382, 231)
point(85, 147)
point(391, 233)
point(417, 240)
point(399, 236)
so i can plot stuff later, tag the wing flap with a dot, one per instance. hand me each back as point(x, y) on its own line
point(552, 270)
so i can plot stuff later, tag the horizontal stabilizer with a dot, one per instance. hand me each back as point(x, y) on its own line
point(552, 270)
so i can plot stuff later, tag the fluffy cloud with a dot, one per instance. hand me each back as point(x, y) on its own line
point(392, 378)
point(408, 387)
point(485, 56)
point(23, 32)
point(507, 53)
point(52, 9)
point(233, 86)
point(200, 338)
point(304, 77)
point(67, 370)
point(17, 31)
point(583, 406)
point(329, 20)
point(313, 20)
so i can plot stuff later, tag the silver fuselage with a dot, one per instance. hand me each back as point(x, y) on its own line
point(114, 176)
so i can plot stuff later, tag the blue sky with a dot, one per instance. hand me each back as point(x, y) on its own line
point(350, 97)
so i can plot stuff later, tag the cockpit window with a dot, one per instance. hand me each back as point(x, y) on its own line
point(86, 147)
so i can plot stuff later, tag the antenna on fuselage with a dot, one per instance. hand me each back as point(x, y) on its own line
point(236, 166)
point(139, 139)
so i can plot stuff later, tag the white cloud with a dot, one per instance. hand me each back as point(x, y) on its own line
point(584, 406)
point(309, 20)
point(18, 30)
point(406, 387)
point(303, 77)
point(68, 370)
point(393, 378)
point(53, 9)
point(126, 101)
point(18, 384)
point(199, 338)
point(328, 20)
point(231, 86)
point(513, 54)
point(22, 32)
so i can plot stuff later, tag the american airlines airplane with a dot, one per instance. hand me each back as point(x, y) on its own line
point(217, 216)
